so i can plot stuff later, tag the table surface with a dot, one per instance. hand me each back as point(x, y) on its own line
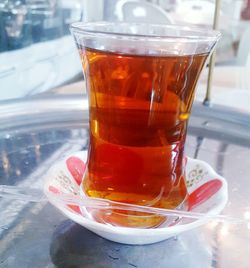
point(38, 131)
point(230, 86)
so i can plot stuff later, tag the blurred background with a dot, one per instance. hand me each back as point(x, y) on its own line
point(37, 52)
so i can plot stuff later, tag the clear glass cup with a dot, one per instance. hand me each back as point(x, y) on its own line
point(140, 80)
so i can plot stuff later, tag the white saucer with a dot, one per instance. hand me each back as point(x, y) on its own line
point(65, 177)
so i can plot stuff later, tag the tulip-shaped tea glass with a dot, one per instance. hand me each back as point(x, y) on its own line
point(140, 80)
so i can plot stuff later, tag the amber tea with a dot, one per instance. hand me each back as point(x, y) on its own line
point(139, 109)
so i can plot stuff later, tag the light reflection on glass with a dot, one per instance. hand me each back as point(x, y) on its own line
point(212, 224)
point(247, 215)
point(6, 163)
point(18, 172)
point(224, 230)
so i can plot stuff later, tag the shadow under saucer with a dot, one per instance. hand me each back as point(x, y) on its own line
point(74, 246)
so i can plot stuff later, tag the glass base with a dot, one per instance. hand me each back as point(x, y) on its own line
point(123, 218)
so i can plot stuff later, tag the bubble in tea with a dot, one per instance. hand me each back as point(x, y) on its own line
point(139, 109)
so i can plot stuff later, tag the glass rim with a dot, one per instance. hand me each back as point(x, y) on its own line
point(193, 33)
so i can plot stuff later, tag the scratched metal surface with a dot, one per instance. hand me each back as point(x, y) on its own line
point(36, 132)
